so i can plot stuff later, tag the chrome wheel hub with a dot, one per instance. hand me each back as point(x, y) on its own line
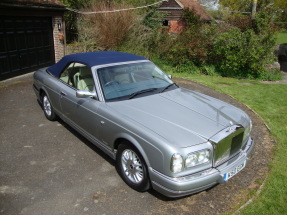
point(132, 166)
point(47, 106)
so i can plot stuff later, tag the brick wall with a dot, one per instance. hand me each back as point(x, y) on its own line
point(176, 26)
point(59, 43)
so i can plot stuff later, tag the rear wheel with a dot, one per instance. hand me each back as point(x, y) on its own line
point(132, 168)
point(48, 109)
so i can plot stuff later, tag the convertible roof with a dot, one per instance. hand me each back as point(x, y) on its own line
point(93, 59)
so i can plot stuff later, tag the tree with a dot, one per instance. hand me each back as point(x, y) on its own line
point(276, 8)
point(71, 17)
point(235, 5)
point(210, 4)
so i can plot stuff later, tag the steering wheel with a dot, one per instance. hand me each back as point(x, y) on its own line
point(111, 82)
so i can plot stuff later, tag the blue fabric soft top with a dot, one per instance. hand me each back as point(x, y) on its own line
point(93, 59)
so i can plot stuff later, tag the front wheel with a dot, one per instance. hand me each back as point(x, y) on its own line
point(132, 168)
point(48, 109)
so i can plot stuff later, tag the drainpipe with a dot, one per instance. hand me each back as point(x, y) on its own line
point(254, 5)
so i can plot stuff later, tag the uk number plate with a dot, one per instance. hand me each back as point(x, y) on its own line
point(234, 171)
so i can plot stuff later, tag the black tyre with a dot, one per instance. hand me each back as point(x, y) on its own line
point(48, 109)
point(132, 168)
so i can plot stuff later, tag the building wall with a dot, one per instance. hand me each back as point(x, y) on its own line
point(172, 9)
point(176, 26)
point(58, 35)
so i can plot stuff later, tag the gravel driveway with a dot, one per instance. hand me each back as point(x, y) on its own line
point(48, 168)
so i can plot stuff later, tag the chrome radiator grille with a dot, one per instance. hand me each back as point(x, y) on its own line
point(229, 146)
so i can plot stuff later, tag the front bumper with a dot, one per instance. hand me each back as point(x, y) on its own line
point(182, 186)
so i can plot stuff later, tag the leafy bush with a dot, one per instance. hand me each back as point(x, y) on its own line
point(71, 18)
point(209, 70)
point(239, 47)
point(240, 21)
point(145, 35)
point(244, 54)
point(191, 46)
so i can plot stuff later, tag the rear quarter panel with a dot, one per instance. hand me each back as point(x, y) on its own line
point(50, 85)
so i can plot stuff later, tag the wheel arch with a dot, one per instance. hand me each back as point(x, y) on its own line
point(132, 141)
point(42, 91)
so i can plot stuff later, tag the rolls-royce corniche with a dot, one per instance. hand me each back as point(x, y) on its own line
point(161, 136)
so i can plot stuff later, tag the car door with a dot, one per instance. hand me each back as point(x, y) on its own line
point(81, 113)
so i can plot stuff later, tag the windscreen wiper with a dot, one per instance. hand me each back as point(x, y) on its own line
point(168, 86)
point(154, 76)
point(141, 92)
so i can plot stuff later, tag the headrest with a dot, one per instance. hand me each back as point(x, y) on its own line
point(85, 72)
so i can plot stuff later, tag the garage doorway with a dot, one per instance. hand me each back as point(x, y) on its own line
point(26, 44)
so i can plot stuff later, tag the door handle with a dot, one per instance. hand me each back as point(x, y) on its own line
point(63, 93)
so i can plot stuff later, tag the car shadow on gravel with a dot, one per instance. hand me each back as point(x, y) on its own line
point(82, 138)
point(168, 199)
point(86, 142)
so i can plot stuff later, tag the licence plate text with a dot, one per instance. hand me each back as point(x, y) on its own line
point(234, 171)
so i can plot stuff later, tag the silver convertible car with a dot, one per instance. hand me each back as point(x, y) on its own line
point(161, 136)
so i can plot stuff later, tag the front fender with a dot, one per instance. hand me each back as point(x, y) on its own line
point(151, 154)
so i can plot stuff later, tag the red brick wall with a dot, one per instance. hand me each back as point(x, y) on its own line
point(59, 40)
point(175, 26)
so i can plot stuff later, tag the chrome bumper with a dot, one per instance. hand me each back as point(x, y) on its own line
point(182, 186)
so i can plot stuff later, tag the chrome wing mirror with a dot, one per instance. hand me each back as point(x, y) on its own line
point(86, 94)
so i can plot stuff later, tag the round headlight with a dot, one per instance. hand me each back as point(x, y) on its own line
point(197, 158)
point(176, 163)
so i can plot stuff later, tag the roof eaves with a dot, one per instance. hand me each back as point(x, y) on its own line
point(179, 3)
point(170, 8)
point(33, 7)
point(33, 4)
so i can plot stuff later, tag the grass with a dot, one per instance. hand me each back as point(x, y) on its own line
point(270, 102)
point(282, 38)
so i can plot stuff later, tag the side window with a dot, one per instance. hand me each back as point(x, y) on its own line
point(79, 76)
point(65, 76)
point(83, 79)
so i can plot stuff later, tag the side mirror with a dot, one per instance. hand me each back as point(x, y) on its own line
point(169, 76)
point(85, 94)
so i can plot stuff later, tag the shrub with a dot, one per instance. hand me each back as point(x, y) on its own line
point(107, 30)
point(71, 18)
point(242, 22)
point(209, 70)
point(145, 35)
point(191, 46)
point(242, 54)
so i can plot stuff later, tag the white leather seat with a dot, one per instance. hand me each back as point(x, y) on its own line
point(85, 79)
point(123, 78)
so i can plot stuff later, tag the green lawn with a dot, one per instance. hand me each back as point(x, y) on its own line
point(270, 101)
point(282, 38)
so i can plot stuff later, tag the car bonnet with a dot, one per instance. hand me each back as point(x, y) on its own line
point(181, 116)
